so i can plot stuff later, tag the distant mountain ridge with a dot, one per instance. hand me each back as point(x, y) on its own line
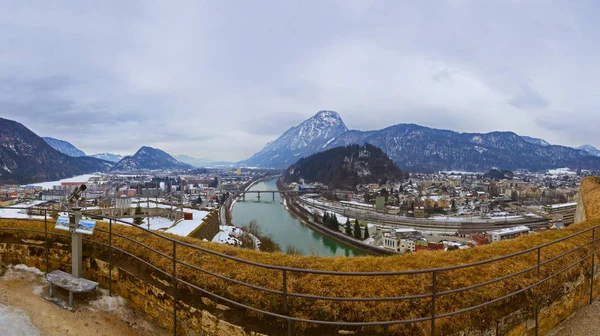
point(590, 149)
point(108, 157)
point(417, 148)
point(64, 147)
point(299, 141)
point(201, 162)
point(535, 141)
point(148, 158)
point(346, 167)
point(27, 158)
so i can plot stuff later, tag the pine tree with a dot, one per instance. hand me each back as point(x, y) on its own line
point(325, 219)
point(357, 233)
point(335, 225)
point(366, 233)
point(348, 227)
point(138, 220)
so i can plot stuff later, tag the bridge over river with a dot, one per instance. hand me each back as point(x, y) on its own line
point(275, 220)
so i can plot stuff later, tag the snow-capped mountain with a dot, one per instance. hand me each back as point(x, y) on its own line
point(590, 149)
point(535, 141)
point(149, 158)
point(25, 157)
point(419, 148)
point(108, 157)
point(299, 141)
point(201, 162)
point(64, 147)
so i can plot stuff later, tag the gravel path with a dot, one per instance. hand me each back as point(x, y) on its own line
point(21, 292)
point(584, 322)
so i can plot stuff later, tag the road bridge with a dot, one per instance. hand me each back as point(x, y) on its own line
point(282, 192)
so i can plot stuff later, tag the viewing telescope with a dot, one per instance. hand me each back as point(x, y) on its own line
point(76, 194)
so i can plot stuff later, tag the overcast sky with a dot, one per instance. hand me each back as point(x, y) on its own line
point(219, 79)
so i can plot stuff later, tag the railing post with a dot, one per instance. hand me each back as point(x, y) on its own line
point(537, 308)
point(110, 257)
point(174, 288)
point(284, 289)
point(285, 302)
point(433, 295)
point(46, 237)
point(593, 265)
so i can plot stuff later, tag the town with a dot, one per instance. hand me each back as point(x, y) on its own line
point(442, 211)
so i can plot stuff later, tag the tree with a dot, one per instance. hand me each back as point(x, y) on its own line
point(325, 219)
point(357, 233)
point(348, 227)
point(138, 220)
point(366, 233)
point(333, 222)
point(367, 197)
point(514, 196)
point(453, 205)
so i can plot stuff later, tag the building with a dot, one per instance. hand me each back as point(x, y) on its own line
point(402, 240)
point(123, 202)
point(558, 208)
point(508, 233)
point(419, 212)
point(8, 201)
point(51, 195)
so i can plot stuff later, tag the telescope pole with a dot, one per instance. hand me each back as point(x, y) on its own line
point(76, 244)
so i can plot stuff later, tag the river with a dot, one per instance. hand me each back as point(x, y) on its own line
point(285, 229)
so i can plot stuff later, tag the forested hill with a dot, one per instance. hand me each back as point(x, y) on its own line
point(346, 167)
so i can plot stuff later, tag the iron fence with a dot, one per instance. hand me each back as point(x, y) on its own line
point(285, 293)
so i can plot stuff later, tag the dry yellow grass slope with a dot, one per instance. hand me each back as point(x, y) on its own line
point(379, 286)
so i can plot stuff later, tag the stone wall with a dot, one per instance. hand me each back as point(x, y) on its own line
point(152, 296)
point(580, 216)
point(209, 227)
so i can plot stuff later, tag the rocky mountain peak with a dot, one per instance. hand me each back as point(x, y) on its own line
point(300, 141)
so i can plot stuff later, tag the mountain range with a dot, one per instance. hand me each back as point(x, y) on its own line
point(300, 141)
point(64, 147)
point(417, 148)
point(149, 158)
point(26, 158)
point(201, 162)
point(590, 149)
point(108, 157)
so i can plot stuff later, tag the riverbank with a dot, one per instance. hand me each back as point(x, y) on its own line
point(341, 238)
point(284, 227)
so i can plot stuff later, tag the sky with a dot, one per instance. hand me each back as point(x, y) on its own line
point(219, 79)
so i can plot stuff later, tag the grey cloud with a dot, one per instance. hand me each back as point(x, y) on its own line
point(528, 98)
point(221, 78)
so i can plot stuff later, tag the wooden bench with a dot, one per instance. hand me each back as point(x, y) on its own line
point(70, 283)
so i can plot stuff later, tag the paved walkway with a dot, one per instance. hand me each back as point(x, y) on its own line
point(24, 312)
point(584, 322)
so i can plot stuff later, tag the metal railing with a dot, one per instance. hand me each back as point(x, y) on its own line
point(285, 293)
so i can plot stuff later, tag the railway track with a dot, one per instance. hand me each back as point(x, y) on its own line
point(462, 227)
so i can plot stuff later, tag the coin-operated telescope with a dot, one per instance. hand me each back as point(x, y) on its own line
point(75, 196)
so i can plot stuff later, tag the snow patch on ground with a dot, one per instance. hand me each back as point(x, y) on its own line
point(228, 235)
point(81, 178)
point(26, 268)
point(108, 303)
point(15, 322)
